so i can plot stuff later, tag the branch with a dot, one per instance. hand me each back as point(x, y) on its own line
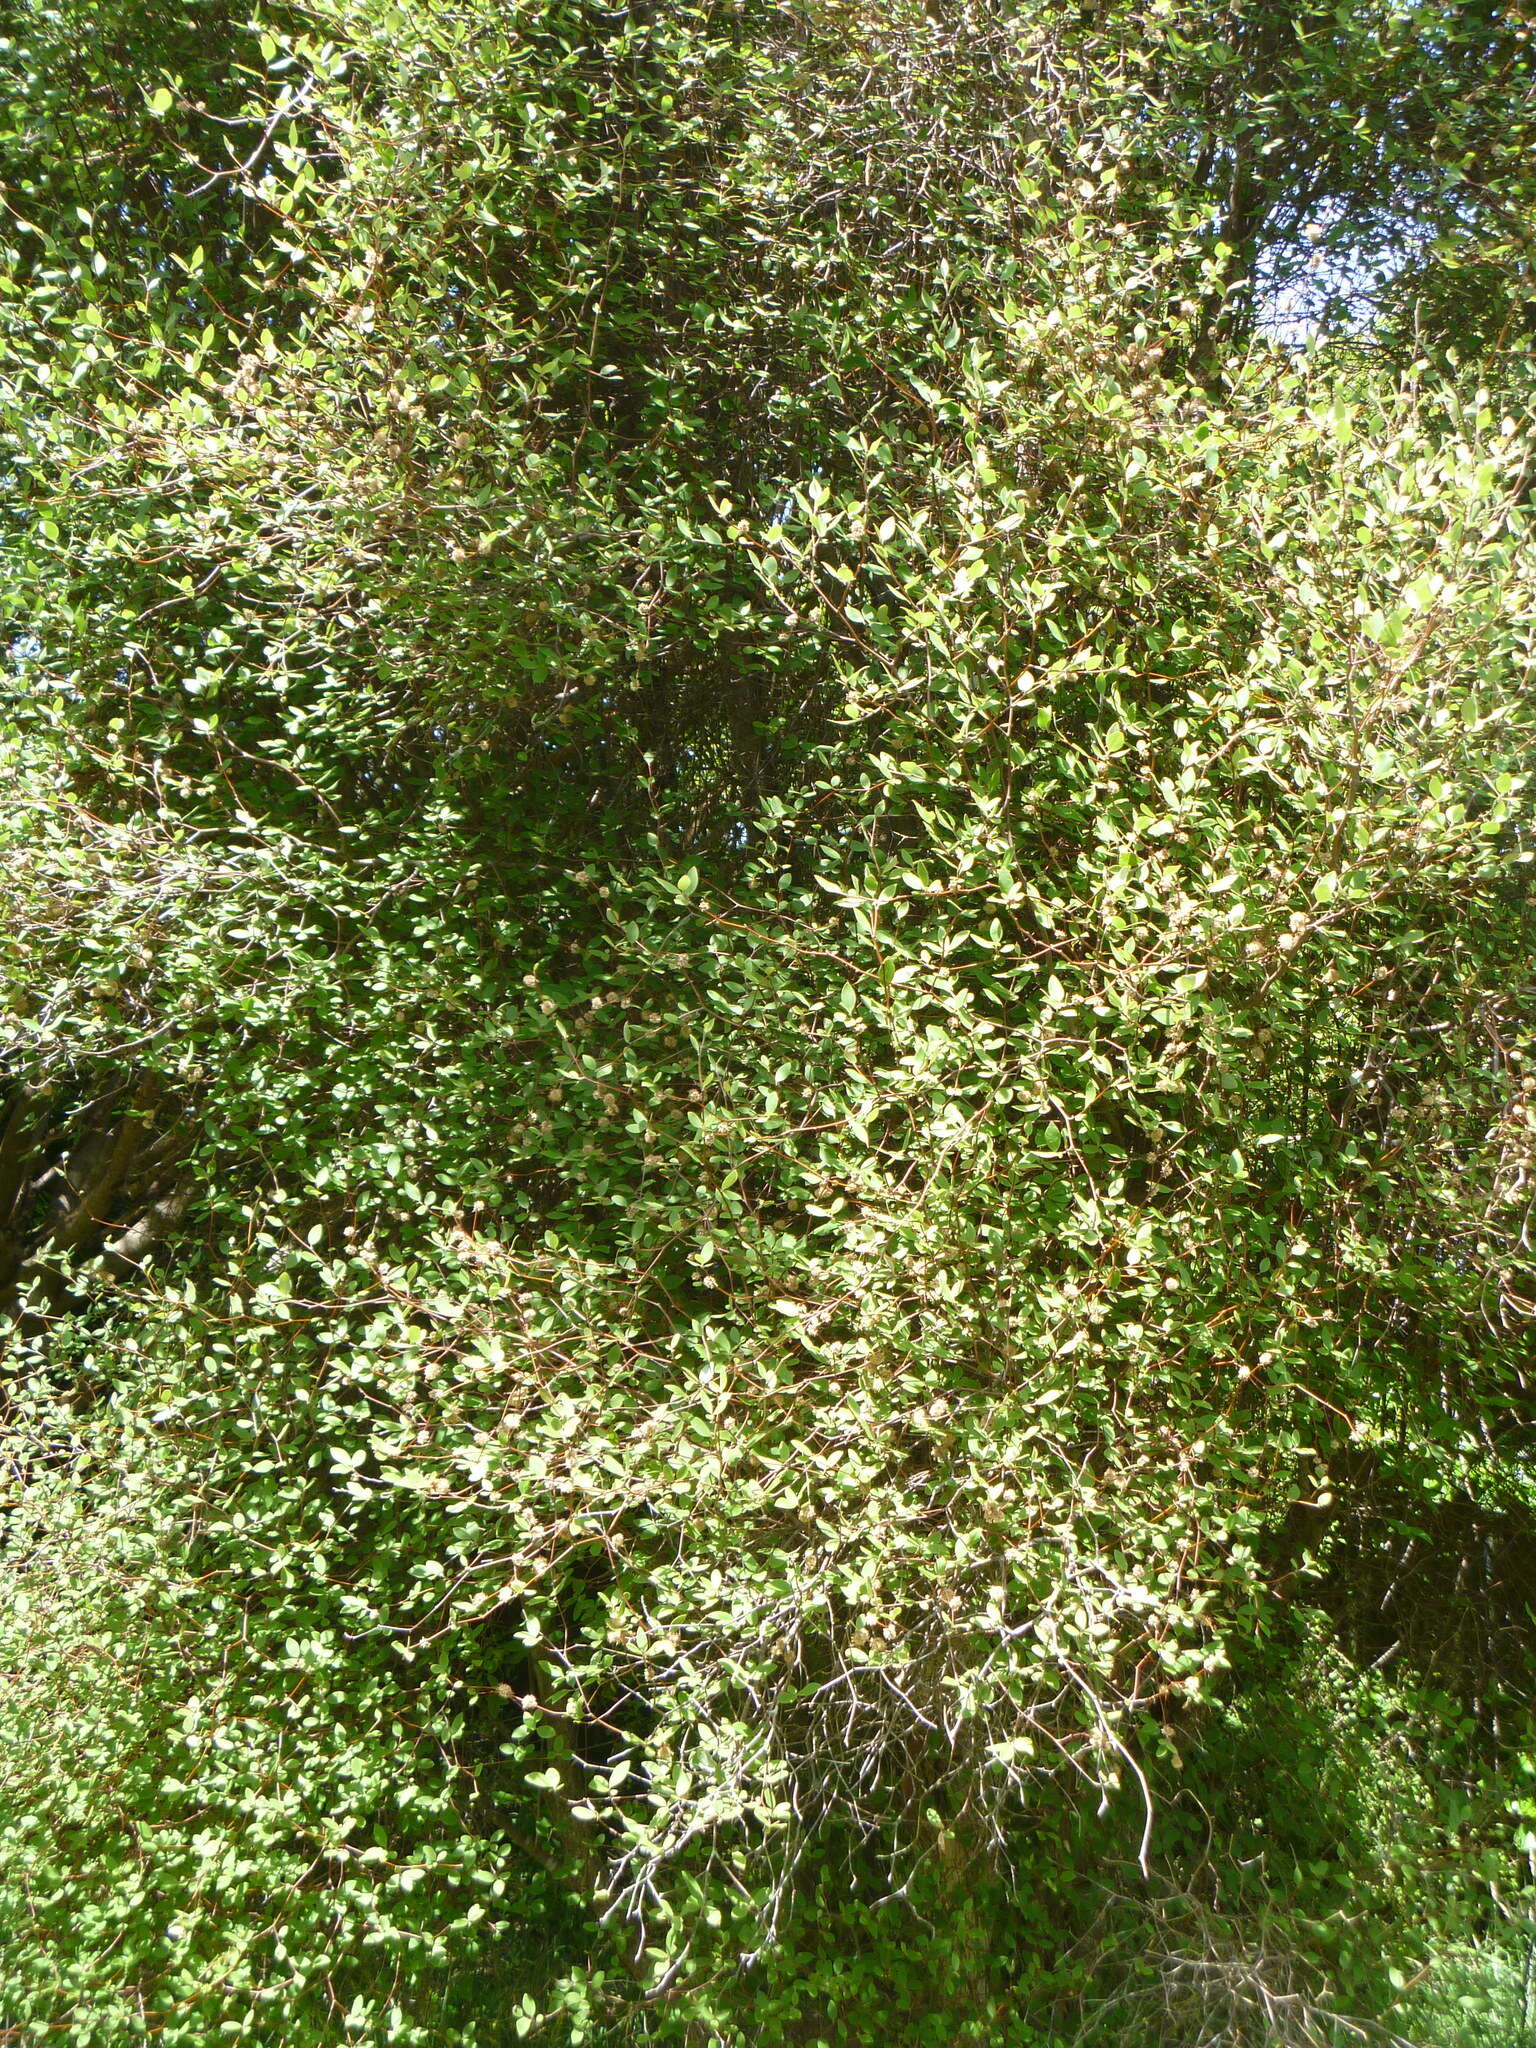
point(86, 1217)
point(13, 1157)
point(158, 1218)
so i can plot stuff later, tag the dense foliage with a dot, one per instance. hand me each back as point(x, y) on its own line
point(768, 1116)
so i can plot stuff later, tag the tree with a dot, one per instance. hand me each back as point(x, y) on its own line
point(771, 1007)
